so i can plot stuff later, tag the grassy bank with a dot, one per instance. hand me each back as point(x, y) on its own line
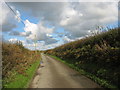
point(98, 55)
point(18, 65)
point(101, 82)
point(22, 81)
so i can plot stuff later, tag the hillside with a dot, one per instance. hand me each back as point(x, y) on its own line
point(16, 62)
point(98, 55)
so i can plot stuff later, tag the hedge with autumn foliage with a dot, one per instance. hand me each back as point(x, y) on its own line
point(16, 59)
point(98, 55)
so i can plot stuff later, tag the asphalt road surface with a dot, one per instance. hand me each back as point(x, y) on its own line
point(55, 74)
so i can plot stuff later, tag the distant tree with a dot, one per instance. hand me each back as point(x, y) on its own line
point(20, 44)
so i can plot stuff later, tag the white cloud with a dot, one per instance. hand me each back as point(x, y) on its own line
point(68, 15)
point(39, 32)
point(13, 40)
point(88, 16)
point(75, 17)
point(3, 14)
point(41, 45)
point(66, 39)
point(8, 21)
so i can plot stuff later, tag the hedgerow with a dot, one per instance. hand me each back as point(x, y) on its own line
point(98, 55)
point(16, 59)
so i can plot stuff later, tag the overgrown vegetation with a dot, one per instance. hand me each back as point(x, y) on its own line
point(17, 64)
point(98, 55)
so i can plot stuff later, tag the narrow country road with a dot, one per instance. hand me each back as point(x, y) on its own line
point(55, 74)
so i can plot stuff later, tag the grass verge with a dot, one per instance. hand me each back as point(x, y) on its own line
point(103, 83)
point(22, 81)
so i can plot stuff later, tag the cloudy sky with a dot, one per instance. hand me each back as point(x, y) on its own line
point(51, 24)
